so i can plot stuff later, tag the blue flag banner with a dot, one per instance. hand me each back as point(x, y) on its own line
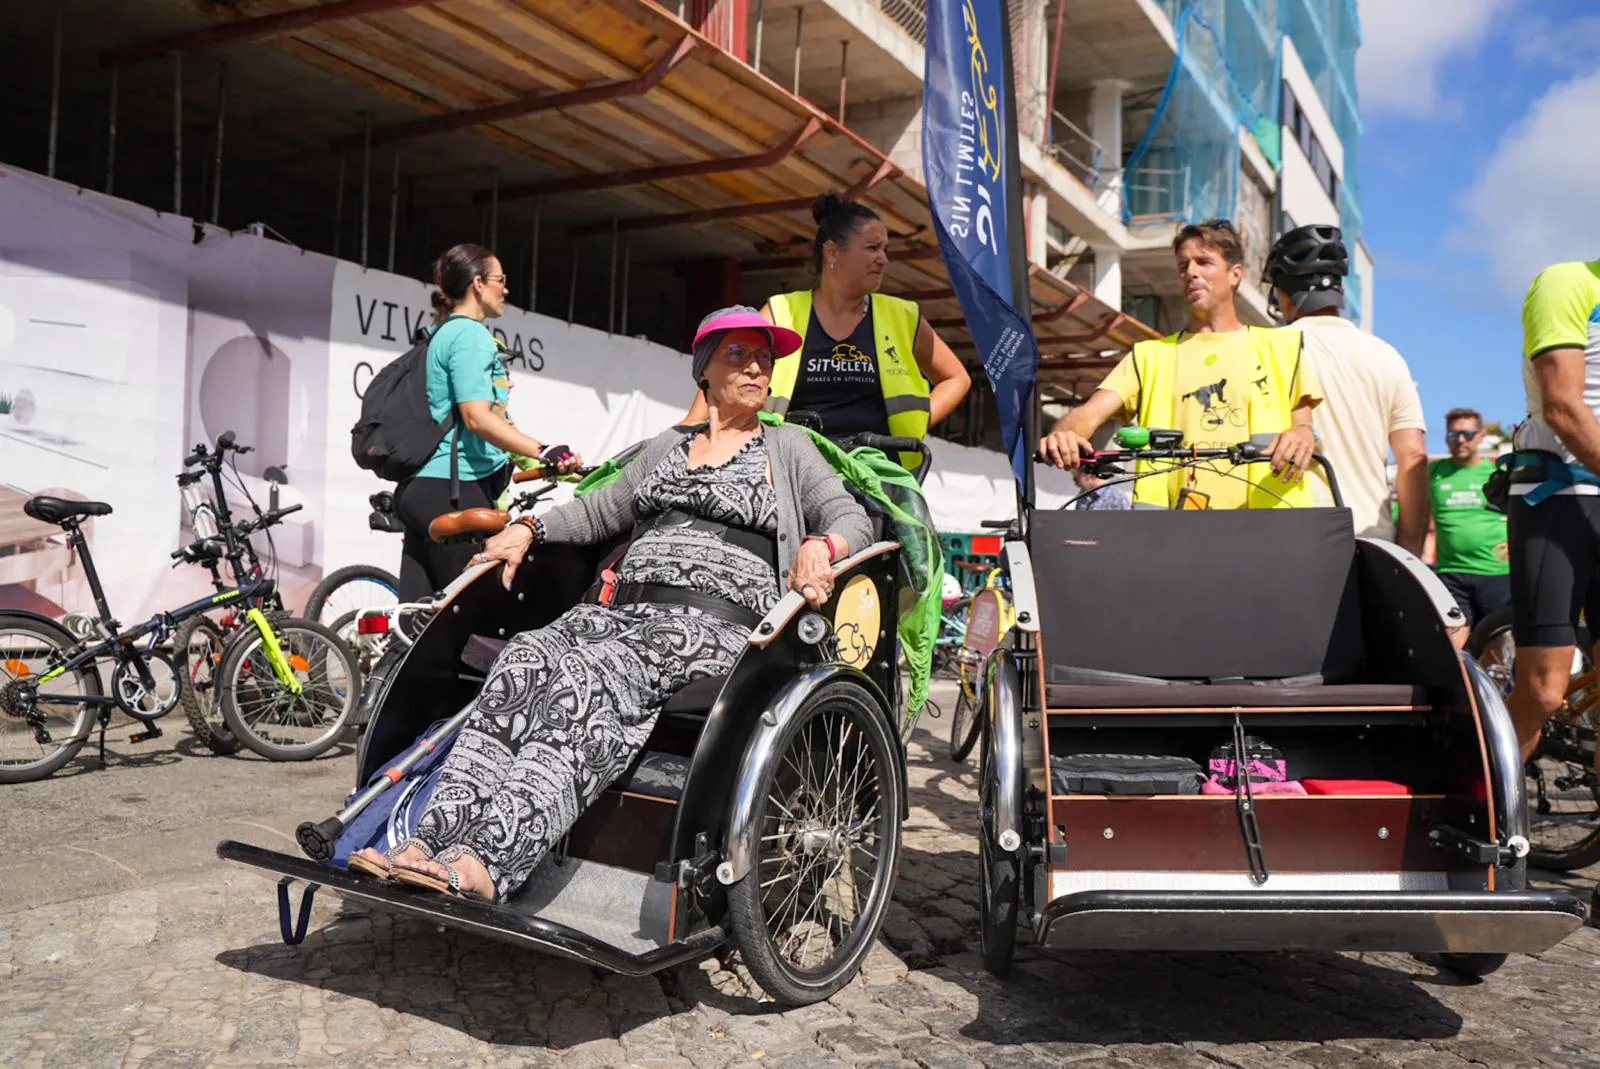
point(969, 158)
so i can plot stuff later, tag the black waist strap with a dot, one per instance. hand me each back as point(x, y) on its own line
point(758, 543)
point(661, 594)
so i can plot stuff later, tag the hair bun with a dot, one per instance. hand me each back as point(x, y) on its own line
point(441, 303)
point(826, 205)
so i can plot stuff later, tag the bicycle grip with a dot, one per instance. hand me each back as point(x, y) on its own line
point(225, 440)
point(196, 457)
point(996, 525)
point(890, 443)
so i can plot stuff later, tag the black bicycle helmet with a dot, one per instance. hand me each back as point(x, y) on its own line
point(1306, 256)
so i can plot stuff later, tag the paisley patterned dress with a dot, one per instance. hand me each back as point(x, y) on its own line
point(567, 708)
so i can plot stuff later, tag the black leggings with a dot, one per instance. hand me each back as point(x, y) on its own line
point(425, 565)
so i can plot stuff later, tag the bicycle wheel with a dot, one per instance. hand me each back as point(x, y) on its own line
point(1563, 791)
point(964, 722)
point(36, 741)
point(199, 646)
point(269, 716)
point(344, 592)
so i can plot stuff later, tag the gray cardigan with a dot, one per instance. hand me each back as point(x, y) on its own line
point(812, 498)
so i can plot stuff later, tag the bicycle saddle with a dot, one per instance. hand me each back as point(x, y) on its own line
point(60, 510)
point(468, 524)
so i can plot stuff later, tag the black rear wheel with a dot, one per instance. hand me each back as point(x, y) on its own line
point(1563, 790)
point(964, 725)
point(37, 734)
point(198, 645)
point(999, 871)
point(825, 842)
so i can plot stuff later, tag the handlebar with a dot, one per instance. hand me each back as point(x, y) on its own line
point(1101, 462)
point(225, 442)
point(546, 471)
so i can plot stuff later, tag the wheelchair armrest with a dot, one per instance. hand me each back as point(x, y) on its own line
point(790, 605)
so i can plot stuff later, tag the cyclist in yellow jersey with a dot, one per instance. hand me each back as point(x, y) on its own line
point(1554, 508)
point(1219, 382)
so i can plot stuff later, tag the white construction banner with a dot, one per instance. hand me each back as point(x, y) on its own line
point(128, 335)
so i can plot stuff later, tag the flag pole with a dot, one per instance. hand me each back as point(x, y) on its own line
point(1017, 240)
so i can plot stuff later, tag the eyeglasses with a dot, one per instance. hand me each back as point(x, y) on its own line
point(494, 278)
point(1460, 436)
point(740, 355)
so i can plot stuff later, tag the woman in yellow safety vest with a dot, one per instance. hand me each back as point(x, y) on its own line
point(869, 362)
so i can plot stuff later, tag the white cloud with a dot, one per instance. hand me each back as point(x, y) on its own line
point(1537, 201)
point(1406, 44)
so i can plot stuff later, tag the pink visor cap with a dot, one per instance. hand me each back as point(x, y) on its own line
point(741, 316)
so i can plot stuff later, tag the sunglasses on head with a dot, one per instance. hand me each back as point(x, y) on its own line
point(739, 355)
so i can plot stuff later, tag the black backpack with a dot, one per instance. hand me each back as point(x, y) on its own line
point(397, 433)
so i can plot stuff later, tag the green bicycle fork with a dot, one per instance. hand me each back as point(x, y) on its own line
point(275, 657)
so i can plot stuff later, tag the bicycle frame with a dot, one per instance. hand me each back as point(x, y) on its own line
point(118, 645)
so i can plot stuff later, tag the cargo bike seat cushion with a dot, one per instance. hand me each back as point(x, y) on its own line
point(1157, 609)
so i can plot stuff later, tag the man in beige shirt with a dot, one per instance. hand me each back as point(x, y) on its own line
point(1371, 401)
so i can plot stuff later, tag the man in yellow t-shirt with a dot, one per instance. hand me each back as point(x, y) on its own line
point(1219, 382)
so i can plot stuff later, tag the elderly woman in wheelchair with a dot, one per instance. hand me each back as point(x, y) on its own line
point(723, 517)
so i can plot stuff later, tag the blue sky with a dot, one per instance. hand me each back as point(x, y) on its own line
point(1480, 165)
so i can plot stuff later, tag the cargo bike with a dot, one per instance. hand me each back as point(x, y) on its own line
point(1244, 731)
point(764, 812)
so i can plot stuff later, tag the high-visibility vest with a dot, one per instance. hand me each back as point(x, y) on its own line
point(905, 390)
point(1156, 365)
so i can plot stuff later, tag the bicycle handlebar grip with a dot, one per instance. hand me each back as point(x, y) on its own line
point(543, 471)
point(317, 839)
point(225, 440)
point(196, 457)
point(996, 525)
point(468, 523)
point(278, 514)
point(891, 444)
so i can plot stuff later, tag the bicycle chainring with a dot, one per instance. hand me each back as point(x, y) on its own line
point(146, 703)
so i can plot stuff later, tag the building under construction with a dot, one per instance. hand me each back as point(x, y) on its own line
point(637, 163)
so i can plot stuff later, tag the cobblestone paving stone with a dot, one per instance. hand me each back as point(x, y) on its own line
point(191, 972)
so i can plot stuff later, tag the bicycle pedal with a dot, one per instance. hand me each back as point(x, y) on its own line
point(146, 736)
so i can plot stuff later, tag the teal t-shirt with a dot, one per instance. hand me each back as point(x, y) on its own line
point(463, 365)
point(1470, 538)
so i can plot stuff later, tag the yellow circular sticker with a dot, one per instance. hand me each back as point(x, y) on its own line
point(857, 619)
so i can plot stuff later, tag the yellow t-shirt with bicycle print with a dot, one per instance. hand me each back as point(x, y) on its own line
point(1218, 376)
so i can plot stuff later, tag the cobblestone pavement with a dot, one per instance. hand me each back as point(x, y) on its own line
point(174, 961)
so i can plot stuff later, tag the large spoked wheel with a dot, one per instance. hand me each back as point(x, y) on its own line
point(999, 871)
point(38, 735)
point(1563, 791)
point(199, 646)
point(273, 718)
point(826, 842)
point(964, 722)
point(342, 594)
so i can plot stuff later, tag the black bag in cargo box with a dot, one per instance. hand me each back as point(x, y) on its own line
point(1112, 773)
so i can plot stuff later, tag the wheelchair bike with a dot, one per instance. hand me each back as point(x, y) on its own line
point(764, 811)
point(1365, 787)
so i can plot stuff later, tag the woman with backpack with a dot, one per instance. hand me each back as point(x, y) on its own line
point(466, 378)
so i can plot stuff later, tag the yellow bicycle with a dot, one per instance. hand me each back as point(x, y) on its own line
point(989, 616)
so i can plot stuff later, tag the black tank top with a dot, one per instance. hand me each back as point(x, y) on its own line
point(838, 380)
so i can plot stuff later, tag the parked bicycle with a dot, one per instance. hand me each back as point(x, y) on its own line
point(990, 615)
point(1563, 790)
point(52, 694)
point(347, 592)
point(200, 641)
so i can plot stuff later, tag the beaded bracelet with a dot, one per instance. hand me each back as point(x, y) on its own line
point(534, 524)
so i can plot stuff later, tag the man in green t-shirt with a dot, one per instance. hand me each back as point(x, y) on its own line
point(1470, 539)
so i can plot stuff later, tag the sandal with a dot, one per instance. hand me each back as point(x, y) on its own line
point(451, 886)
point(356, 863)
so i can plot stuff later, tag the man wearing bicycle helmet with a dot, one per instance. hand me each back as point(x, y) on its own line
point(1371, 404)
point(1220, 382)
point(1554, 507)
